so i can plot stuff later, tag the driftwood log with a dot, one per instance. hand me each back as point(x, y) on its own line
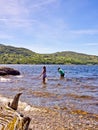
point(8, 71)
point(10, 119)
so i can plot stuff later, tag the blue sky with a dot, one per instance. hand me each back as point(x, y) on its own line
point(48, 26)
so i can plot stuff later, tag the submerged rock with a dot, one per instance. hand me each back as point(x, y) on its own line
point(8, 71)
point(10, 119)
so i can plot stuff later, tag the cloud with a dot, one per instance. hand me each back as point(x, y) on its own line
point(91, 44)
point(14, 23)
point(5, 36)
point(82, 32)
point(22, 13)
point(9, 9)
point(40, 3)
point(20, 9)
point(12, 13)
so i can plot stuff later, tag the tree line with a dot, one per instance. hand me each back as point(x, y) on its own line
point(13, 55)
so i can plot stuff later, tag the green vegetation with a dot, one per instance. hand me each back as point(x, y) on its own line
point(13, 55)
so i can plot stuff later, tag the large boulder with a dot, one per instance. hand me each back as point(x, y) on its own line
point(8, 71)
point(10, 119)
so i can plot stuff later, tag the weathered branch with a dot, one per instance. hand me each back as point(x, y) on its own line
point(14, 104)
point(11, 119)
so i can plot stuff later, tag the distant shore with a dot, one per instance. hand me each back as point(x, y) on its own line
point(26, 56)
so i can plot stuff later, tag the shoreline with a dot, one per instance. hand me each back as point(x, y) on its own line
point(52, 119)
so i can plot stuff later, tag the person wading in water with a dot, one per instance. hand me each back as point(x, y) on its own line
point(61, 72)
point(44, 74)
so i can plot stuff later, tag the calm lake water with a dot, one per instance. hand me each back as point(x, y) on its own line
point(78, 90)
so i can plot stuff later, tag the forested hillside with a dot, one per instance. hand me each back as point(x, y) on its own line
point(14, 55)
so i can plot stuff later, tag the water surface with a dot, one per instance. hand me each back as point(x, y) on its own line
point(78, 90)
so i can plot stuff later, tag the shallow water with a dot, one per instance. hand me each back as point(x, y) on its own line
point(78, 90)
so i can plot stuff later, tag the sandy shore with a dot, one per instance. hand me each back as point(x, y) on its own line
point(55, 119)
point(47, 119)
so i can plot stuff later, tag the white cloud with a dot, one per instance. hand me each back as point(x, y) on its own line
point(91, 44)
point(9, 9)
point(12, 13)
point(14, 23)
point(20, 13)
point(41, 3)
point(88, 31)
point(5, 36)
point(20, 9)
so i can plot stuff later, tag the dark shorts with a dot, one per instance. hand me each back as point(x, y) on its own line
point(62, 75)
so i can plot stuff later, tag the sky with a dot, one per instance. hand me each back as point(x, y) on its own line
point(49, 26)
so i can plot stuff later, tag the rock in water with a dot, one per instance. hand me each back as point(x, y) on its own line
point(11, 119)
point(8, 71)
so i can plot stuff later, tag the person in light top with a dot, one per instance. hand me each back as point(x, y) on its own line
point(44, 74)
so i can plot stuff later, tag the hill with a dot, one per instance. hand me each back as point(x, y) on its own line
point(14, 55)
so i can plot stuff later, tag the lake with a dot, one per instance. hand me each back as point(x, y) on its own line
point(78, 90)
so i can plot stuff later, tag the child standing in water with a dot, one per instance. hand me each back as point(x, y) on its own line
point(61, 72)
point(44, 74)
